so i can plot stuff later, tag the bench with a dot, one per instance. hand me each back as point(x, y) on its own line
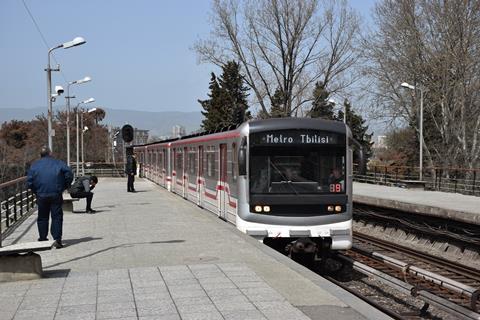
point(68, 202)
point(413, 184)
point(19, 262)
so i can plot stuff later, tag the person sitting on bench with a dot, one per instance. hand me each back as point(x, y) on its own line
point(82, 188)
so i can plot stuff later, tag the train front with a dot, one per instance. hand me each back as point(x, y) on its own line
point(297, 184)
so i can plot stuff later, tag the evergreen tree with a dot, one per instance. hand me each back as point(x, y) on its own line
point(214, 110)
point(232, 83)
point(227, 104)
point(277, 109)
point(358, 128)
point(321, 107)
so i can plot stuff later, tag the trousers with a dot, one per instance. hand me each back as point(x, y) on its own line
point(46, 206)
point(130, 181)
point(84, 194)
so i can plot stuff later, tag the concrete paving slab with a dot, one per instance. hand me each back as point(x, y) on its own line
point(151, 246)
point(446, 205)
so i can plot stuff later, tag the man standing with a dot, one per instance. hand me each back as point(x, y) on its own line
point(48, 178)
point(82, 188)
point(131, 171)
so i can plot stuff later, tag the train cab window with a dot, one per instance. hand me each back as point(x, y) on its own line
point(290, 170)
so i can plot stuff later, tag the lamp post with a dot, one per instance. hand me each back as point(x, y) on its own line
point(68, 97)
point(77, 131)
point(75, 42)
point(84, 129)
point(409, 86)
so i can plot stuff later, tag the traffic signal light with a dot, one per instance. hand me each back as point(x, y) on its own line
point(127, 133)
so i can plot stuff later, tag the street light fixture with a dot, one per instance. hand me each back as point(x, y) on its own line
point(414, 88)
point(78, 131)
point(68, 97)
point(75, 42)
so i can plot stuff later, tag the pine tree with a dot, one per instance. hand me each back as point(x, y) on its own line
point(232, 83)
point(214, 113)
point(277, 109)
point(227, 104)
point(358, 128)
point(321, 107)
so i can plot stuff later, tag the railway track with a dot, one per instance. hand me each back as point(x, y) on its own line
point(452, 287)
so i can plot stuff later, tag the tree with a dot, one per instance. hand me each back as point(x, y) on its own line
point(359, 130)
point(227, 105)
point(432, 45)
point(232, 84)
point(215, 110)
point(285, 45)
point(321, 107)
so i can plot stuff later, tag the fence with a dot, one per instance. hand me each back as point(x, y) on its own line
point(16, 202)
point(458, 180)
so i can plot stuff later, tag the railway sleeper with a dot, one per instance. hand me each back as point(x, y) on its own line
point(447, 283)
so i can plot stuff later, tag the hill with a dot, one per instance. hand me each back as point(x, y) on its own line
point(159, 123)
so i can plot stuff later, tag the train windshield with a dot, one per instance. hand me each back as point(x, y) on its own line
point(293, 168)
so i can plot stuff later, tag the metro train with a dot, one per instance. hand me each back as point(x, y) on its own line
point(277, 180)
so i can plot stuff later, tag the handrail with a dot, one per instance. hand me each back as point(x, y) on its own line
point(12, 182)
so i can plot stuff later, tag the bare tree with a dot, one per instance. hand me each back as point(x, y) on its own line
point(432, 45)
point(284, 46)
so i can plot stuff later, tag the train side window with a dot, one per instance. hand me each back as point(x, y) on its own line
point(211, 162)
point(234, 162)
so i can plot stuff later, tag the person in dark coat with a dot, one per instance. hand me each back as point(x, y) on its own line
point(82, 188)
point(48, 178)
point(131, 171)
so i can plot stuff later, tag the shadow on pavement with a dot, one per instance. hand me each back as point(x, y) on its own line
point(70, 242)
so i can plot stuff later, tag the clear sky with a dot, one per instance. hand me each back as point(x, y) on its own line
point(138, 52)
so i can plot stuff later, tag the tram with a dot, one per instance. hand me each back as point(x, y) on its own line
point(278, 180)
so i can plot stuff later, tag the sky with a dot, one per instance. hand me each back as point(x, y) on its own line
point(138, 52)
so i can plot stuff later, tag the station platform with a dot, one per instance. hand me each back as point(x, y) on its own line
point(153, 255)
point(451, 206)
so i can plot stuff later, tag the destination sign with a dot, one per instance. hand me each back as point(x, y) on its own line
point(287, 137)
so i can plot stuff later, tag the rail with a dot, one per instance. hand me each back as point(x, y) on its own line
point(456, 180)
point(16, 202)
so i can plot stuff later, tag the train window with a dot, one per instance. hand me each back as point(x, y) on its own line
point(234, 162)
point(192, 159)
point(297, 170)
point(211, 162)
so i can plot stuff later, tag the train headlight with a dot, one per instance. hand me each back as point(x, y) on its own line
point(258, 208)
point(330, 208)
point(338, 208)
point(266, 208)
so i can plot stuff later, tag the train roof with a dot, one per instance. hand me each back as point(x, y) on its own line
point(270, 125)
point(297, 123)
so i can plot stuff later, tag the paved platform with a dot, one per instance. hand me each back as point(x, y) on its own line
point(153, 255)
point(452, 206)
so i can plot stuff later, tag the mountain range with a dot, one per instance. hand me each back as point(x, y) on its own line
point(159, 123)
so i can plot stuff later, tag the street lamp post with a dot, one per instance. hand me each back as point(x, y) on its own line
point(84, 129)
point(68, 97)
point(77, 131)
point(409, 86)
point(75, 42)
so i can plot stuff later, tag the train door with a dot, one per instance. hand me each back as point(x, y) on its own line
point(201, 176)
point(223, 182)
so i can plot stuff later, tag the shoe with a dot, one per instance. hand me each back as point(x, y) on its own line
point(91, 211)
point(58, 244)
point(40, 239)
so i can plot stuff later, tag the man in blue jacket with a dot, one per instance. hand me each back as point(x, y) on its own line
point(48, 178)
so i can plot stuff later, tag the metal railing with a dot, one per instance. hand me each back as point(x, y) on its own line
point(457, 180)
point(16, 203)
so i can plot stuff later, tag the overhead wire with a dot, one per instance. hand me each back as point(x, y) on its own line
point(42, 36)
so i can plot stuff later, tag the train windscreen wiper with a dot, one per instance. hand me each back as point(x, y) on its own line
point(288, 182)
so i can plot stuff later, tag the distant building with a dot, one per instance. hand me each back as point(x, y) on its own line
point(178, 131)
